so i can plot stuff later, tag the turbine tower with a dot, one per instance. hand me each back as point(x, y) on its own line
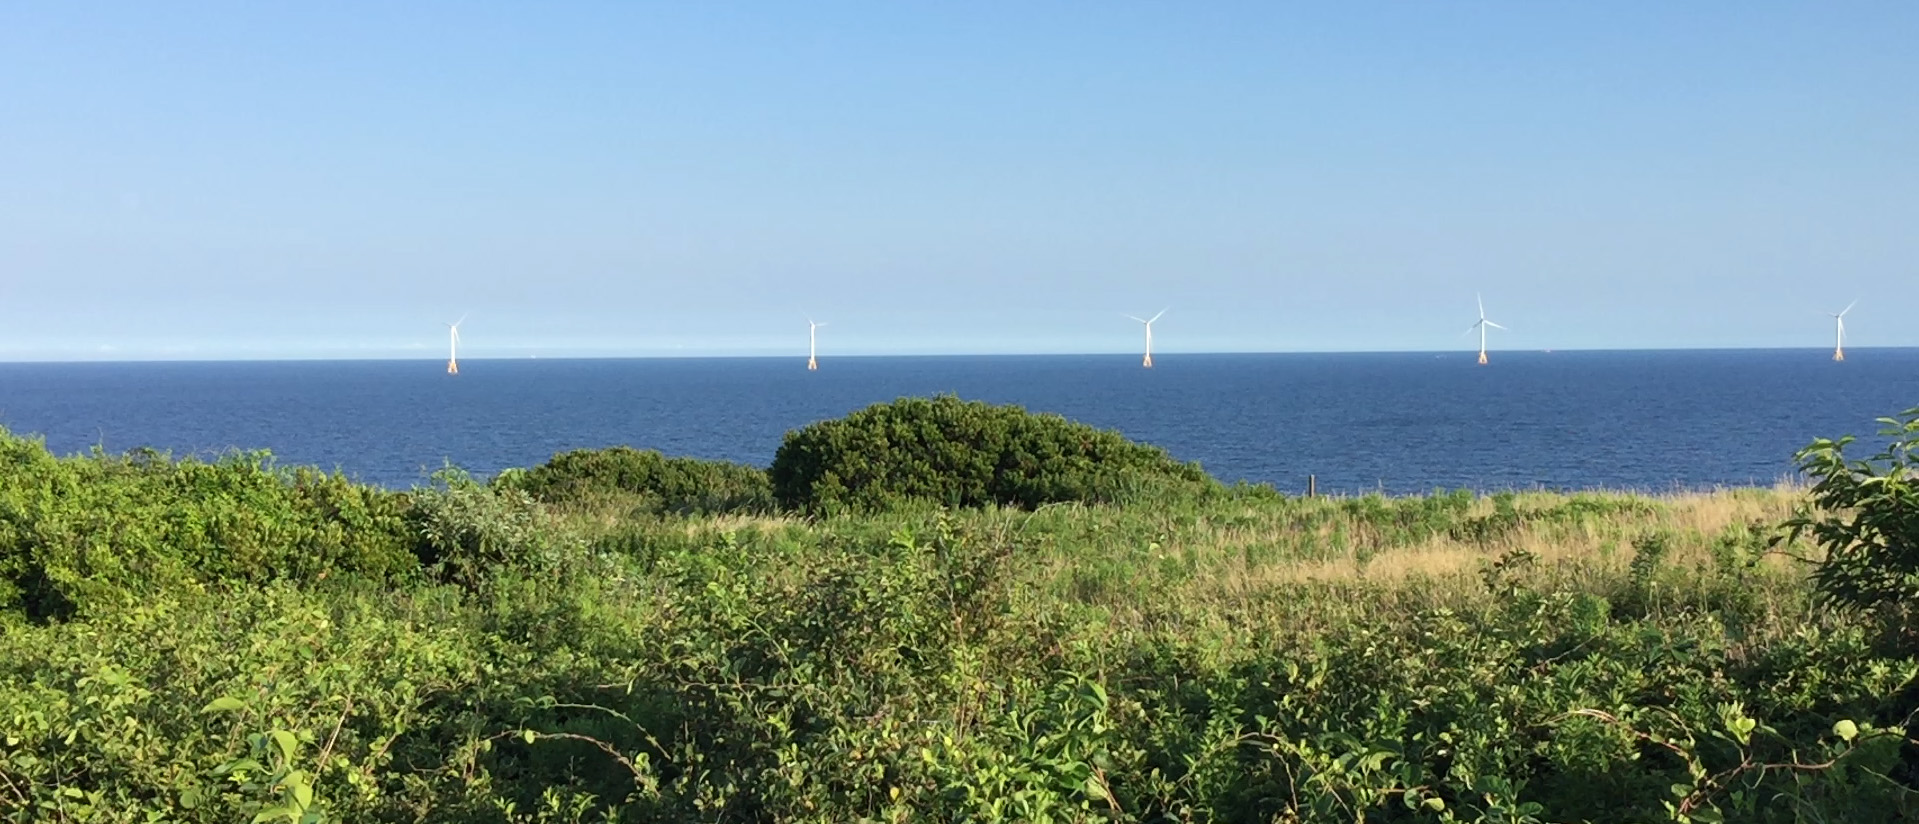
point(1481, 327)
point(1839, 332)
point(1149, 336)
point(812, 345)
point(453, 346)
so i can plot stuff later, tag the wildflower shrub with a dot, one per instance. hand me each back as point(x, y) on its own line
point(966, 454)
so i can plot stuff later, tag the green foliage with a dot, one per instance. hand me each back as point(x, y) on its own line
point(467, 532)
point(1865, 516)
point(644, 482)
point(86, 533)
point(961, 454)
point(1228, 656)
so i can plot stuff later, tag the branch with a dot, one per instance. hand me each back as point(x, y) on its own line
point(1609, 718)
point(335, 736)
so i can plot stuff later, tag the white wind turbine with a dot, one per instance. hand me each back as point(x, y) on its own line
point(812, 344)
point(453, 346)
point(1839, 332)
point(1481, 327)
point(1149, 335)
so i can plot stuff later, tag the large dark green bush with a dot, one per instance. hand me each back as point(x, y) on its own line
point(109, 529)
point(965, 454)
point(646, 481)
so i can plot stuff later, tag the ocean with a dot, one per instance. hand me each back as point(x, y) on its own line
point(1392, 422)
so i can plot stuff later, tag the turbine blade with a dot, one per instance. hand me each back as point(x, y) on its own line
point(1161, 312)
point(1496, 326)
point(1842, 312)
point(1482, 305)
point(1141, 320)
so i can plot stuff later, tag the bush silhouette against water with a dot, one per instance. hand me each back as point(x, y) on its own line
point(645, 481)
point(966, 454)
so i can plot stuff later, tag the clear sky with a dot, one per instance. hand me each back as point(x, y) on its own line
point(340, 179)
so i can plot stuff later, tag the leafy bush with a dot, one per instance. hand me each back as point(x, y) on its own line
point(1866, 517)
point(966, 454)
point(80, 531)
point(468, 532)
point(646, 481)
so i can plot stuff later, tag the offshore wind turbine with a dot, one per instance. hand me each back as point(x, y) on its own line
point(1839, 332)
point(1149, 336)
point(453, 346)
point(812, 345)
point(1481, 327)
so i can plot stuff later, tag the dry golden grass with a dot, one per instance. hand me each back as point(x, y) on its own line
point(1692, 521)
point(1255, 550)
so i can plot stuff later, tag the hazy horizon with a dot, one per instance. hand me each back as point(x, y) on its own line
point(241, 181)
point(440, 357)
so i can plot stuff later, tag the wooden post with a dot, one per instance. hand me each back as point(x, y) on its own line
point(1312, 486)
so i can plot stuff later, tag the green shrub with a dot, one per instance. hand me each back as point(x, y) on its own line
point(467, 532)
point(966, 454)
point(81, 531)
point(1866, 518)
point(645, 481)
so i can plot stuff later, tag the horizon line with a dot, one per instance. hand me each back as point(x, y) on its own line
point(1467, 353)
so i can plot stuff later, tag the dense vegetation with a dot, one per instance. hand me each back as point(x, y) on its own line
point(644, 482)
point(232, 641)
point(102, 532)
point(955, 453)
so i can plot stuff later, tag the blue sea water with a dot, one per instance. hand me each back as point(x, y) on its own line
point(1402, 422)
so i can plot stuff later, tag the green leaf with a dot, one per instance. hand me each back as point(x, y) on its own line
point(302, 790)
point(287, 744)
point(1095, 790)
point(528, 735)
point(1845, 729)
point(227, 704)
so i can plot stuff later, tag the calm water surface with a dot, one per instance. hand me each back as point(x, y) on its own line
point(1395, 422)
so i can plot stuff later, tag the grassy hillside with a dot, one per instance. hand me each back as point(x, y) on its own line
point(1212, 655)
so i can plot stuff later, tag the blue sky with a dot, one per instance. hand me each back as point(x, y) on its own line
point(262, 180)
